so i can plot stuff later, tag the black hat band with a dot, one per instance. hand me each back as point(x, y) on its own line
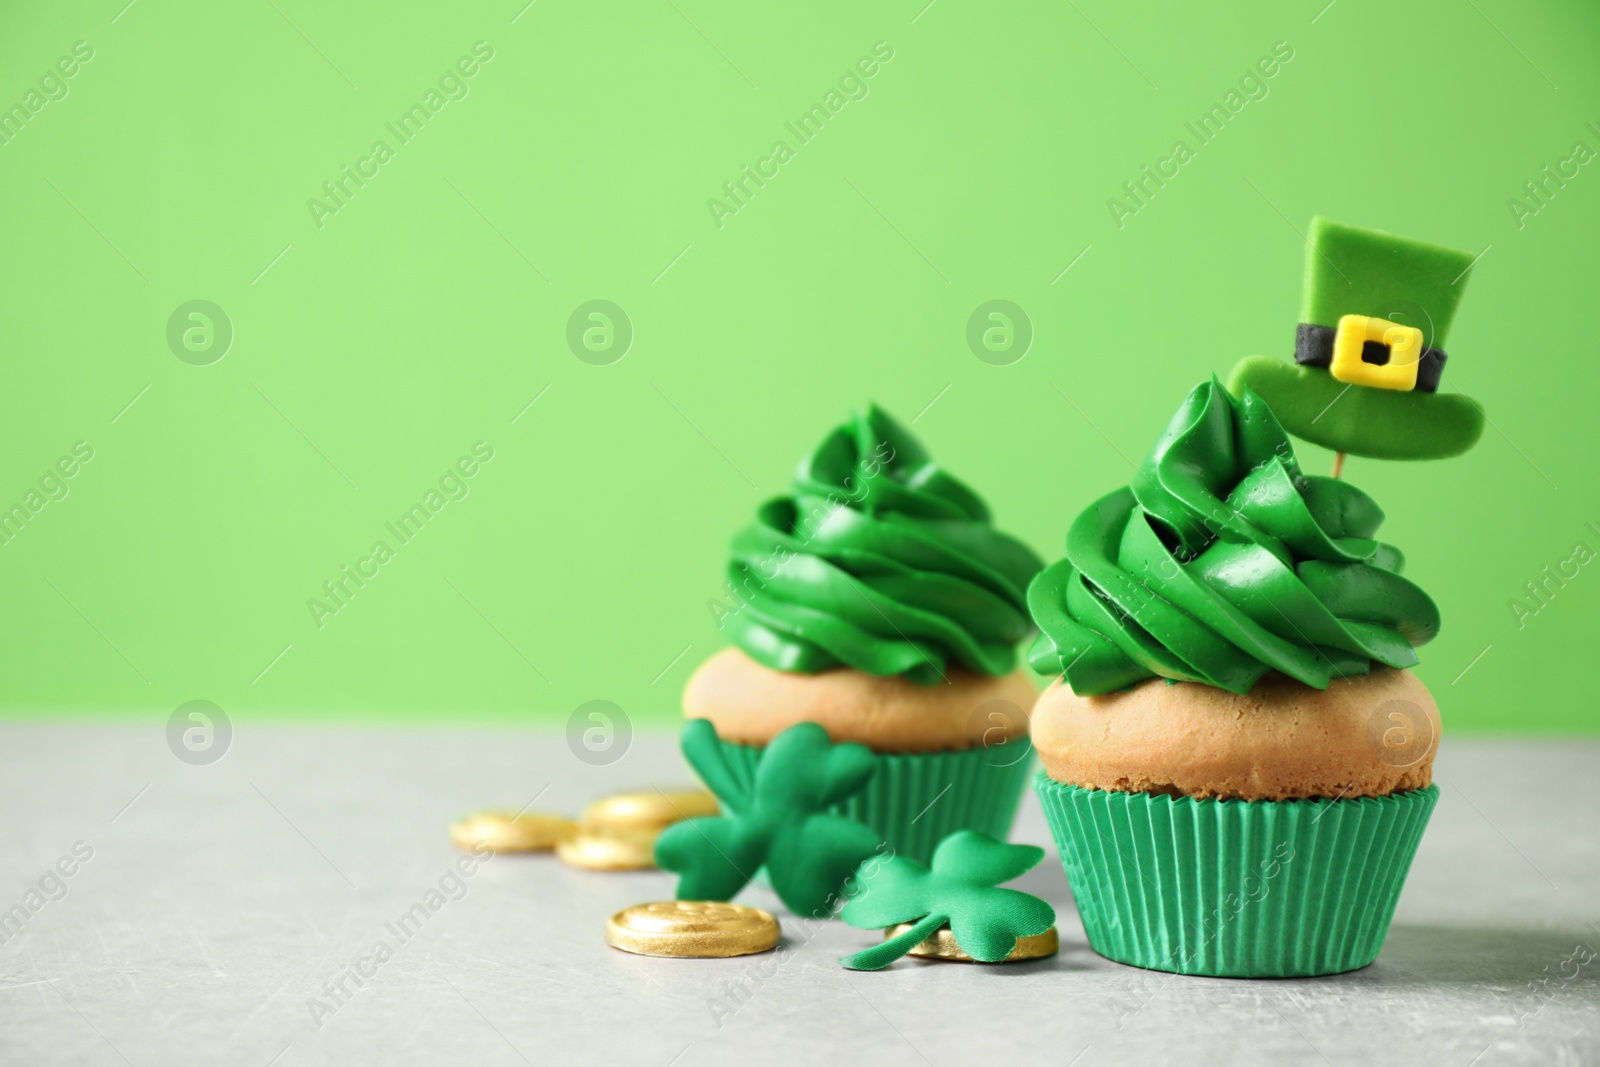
point(1313, 347)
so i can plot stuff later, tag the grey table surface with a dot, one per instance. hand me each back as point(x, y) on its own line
point(218, 906)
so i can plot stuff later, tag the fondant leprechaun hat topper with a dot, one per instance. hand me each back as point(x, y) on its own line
point(1369, 349)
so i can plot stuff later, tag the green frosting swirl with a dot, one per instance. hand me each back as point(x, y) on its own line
point(1222, 561)
point(880, 561)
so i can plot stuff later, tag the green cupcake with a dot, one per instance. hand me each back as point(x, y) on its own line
point(1238, 763)
point(878, 600)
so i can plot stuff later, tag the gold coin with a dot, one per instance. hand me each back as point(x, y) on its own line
point(942, 945)
point(653, 810)
point(692, 929)
point(506, 831)
point(619, 850)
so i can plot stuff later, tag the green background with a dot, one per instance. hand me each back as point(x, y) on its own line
point(371, 352)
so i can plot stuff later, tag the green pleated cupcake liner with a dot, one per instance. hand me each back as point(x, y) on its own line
point(1234, 888)
point(915, 800)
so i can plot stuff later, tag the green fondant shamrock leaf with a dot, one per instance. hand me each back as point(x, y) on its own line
point(959, 890)
point(781, 823)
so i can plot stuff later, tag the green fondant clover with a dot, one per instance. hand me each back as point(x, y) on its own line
point(782, 823)
point(960, 890)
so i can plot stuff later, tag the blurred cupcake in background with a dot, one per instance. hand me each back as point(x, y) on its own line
point(877, 600)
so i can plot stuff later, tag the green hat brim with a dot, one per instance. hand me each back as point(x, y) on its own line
point(1362, 421)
